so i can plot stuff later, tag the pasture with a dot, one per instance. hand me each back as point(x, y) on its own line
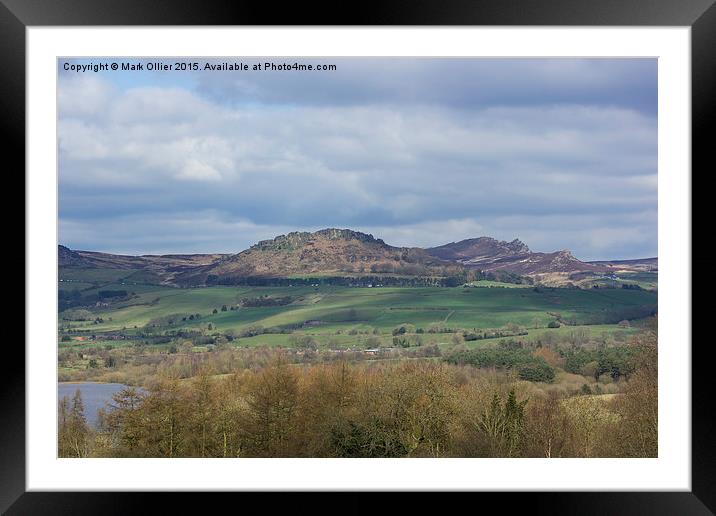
point(341, 316)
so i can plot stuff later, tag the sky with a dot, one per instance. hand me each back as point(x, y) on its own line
point(560, 153)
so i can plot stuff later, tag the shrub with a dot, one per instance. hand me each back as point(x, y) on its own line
point(536, 371)
point(528, 367)
point(400, 330)
point(302, 342)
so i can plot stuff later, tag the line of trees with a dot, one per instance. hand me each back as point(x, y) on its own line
point(615, 361)
point(413, 408)
point(529, 366)
point(429, 279)
point(75, 298)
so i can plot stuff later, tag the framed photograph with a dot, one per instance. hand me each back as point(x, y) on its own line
point(447, 248)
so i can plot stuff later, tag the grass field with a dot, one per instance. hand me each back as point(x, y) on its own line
point(333, 312)
point(497, 284)
point(588, 331)
point(644, 280)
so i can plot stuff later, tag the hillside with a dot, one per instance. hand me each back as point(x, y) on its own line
point(541, 263)
point(69, 258)
point(325, 252)
point(156, 269)
point(637, 265)
point(479, 250)
point(347, 253)
point(491, 255)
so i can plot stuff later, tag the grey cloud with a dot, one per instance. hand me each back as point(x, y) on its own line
point(147, 163)
point(454, 82)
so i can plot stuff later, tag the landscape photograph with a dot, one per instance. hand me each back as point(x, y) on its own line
point(357, 257)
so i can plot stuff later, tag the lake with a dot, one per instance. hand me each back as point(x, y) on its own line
point(94, 395)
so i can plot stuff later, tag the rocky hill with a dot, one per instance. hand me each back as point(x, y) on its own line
point(490, 255)
point(640, 264)
point(479, 250)
point(68, 258)
point(542, 263)
point(344, 252)
point(162, 268)
point(325, 252)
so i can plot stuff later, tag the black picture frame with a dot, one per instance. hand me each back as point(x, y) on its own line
point(700, 15)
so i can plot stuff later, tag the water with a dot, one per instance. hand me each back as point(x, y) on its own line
point(94, 396)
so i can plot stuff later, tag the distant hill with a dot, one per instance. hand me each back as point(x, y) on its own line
point(163, 267)
point(639, 264)
point(346, 253)
point(68, 258)
point(325, 252)
point(490, 255)
point(479, 250)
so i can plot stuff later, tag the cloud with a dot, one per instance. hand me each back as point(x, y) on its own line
point(456, 83)
point(208, 230)
point(436, 164)
point(83, 96)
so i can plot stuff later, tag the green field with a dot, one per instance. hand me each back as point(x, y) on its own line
point(497, 284)
point(333, 312)
point(89, 281)
point(644, 280)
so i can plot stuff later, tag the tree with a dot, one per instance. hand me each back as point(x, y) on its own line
point(536, 371)
point(503, 425)
point(202, 415)
point(551, 357)
point(73, 432)
point(548, 432)
point(303, 342)
point(425, 429)
point(123, 420)
point(63, 446)
point(399, 330)
point(590, 417)
point(272, 401)
point(164, 415)
point(591, 369)
point(639, 406)
point(228, 411)
point(327, 403)
point(514, 422)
